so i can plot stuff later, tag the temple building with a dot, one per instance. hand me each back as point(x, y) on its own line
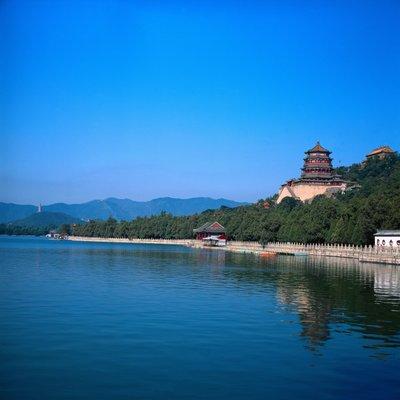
point(210, 229)
point(380, 153)
point(317, 177)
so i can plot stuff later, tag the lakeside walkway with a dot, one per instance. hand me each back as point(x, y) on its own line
point(371, 254)
point(176, 242)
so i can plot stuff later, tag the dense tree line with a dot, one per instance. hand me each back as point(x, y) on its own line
point(8, 229)
point(351, 217)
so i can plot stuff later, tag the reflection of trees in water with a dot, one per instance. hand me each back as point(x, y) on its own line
point(327, 291)
point(323, 291)
point(173, 254)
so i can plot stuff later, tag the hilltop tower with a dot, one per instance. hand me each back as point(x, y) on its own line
point(317, 165)
point(39, 209)
point(317, 177)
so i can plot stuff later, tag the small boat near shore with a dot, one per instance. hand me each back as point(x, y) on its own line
point(268, 254)
point(300, 254)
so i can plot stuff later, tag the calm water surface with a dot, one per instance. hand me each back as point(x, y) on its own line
point(121, 321)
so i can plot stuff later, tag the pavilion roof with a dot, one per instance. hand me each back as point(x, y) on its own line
point(379, 150)
point(318, 149)
point(387, 233)
point(210, 227)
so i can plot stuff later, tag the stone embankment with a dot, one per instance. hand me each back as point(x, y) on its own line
point(382, 255)
point(373, 254)
point(177, 242)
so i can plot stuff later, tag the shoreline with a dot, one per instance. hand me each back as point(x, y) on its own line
point(367, 254)
point(236, 247)
point(177, 242)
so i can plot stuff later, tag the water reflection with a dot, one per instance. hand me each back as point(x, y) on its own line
point(330, 295)
point(327, 294)
point(387, 281)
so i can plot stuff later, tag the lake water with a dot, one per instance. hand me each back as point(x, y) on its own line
point(120, 321)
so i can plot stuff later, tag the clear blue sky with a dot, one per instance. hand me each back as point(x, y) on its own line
point(144, 99)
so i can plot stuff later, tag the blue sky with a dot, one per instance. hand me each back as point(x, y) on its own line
point(144, 99)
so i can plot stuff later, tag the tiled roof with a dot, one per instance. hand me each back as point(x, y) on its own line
point(318, 149)
point(379, 150)
point(210, 227)
point(388, 233)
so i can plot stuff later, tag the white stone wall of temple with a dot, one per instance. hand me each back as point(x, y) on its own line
point(306, 192)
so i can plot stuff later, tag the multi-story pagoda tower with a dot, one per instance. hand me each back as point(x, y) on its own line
point(317, 165)
point(317, 177)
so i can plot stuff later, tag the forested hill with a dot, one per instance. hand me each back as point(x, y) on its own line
point(45, 219)
point(352, 217)
point(39, 224)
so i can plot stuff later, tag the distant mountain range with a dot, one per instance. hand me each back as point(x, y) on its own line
point(121, 209)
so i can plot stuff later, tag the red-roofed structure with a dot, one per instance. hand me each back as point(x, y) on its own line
point(210, 229)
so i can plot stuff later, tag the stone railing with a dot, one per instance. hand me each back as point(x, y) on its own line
point(380, 254)
point(386, 255)
point(179, 242)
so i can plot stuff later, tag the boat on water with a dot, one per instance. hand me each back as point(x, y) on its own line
point(268, 254)
point(300, 254)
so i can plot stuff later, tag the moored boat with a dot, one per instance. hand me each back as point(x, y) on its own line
point(268, 254)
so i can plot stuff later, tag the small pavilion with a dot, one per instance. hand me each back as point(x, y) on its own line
point(210, 229)
point(388, 238)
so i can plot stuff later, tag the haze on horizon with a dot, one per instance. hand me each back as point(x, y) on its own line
point(143, 99)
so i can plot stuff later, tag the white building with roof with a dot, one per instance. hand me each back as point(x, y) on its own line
point(388, 238)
